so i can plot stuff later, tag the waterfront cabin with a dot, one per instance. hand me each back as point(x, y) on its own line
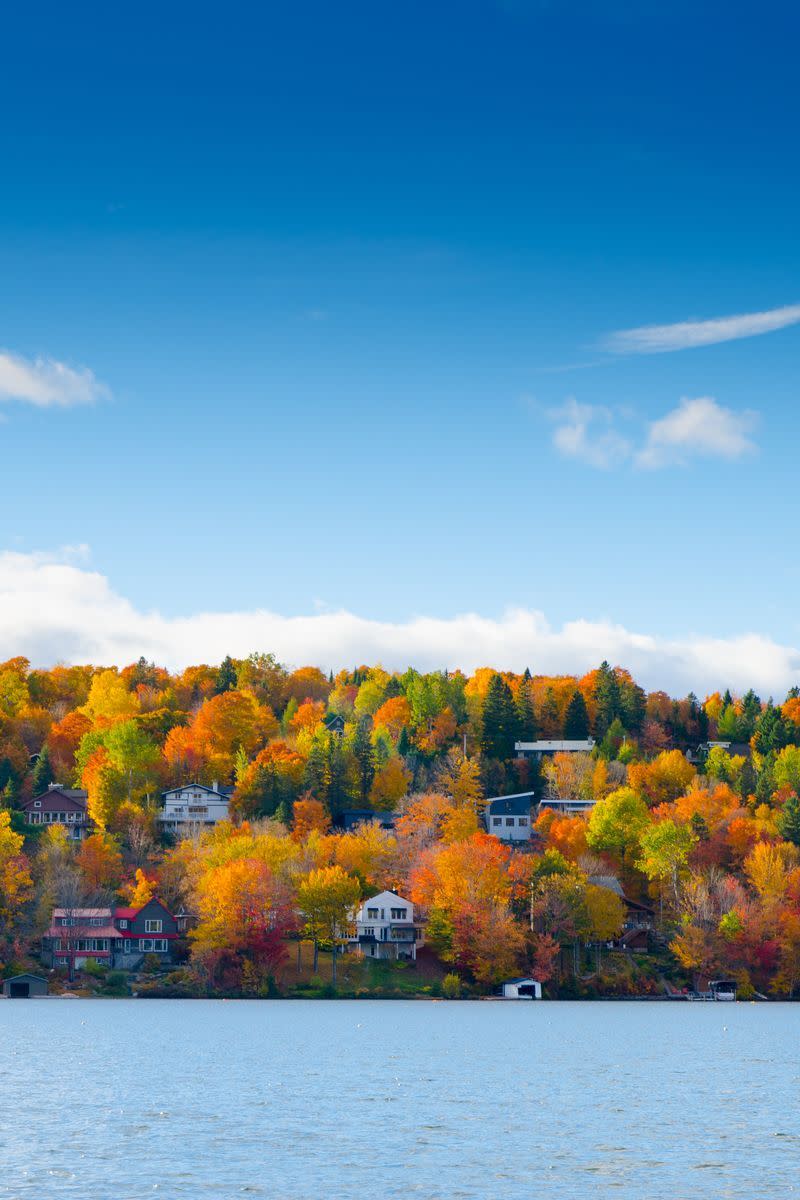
point(24, 987)
point(722, 989)
point(194, 806)
point(509, 817)
point(385, 928)
point(521, 989)
point(60, 806)
point(115, 937)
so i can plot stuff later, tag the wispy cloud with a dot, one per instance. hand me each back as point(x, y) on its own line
point(54, 609)
point(698, 428)
point(46, 383)
point(656, 339)
point(585, 432)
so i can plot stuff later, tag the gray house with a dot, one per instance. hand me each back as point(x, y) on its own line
point(24, 987)
point(116, 937)
point(509, 817)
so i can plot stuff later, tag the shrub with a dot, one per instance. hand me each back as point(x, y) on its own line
point(95, 969)
point(451, 986)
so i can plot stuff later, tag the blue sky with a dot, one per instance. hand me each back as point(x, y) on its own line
point(348, 277)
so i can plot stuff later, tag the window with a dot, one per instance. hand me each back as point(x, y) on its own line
point(372, 914)
point(37, 804)
point(497, 820)
point(56, 943)
point(153, 926)
point(146, 944)
point(160, 945)
point(198, 809)
point(523, 822)
point(399, 914)
point(95, 921)
point(509, 820)
point(123, 924)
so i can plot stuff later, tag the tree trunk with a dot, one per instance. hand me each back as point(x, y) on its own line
point(316, 955)
point(333, 963)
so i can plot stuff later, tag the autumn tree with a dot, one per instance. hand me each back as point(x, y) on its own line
point(309, 816)
point(390, 785)
point(327, 898)
point(616, 823)
point(100, 862)
point(459, 778)
point(245, 911)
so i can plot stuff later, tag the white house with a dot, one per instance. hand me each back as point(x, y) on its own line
point(194, 805)
point(521, 989)
point(509, 817)
point(538, 749)
point(385, 928)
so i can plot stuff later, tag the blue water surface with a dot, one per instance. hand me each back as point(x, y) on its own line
point(123, 1099)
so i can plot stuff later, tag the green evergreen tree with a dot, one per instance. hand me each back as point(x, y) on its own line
point(613, 740)
point(699, 827)
point(226, 675)
point(364, 754)
point(314, 776)
point(633, 704)
point(576, 719)
point(335, 775)
point(42, 774)
point(772, 732)
point(765, 784)
point(788, 820)
point(526, 718)
point(499, 729)
point(607, 699)
point(751, 711)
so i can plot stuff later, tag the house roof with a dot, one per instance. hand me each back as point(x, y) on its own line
point(518, 804)
point(553, 746)
point(127, 914)
point(224, 792)
point(607, 881)
point(24, 975)
point(76, 795)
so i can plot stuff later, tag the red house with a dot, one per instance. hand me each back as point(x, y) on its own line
point(118, 937)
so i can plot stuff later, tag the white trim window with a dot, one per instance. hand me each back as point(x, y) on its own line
point(153, 926)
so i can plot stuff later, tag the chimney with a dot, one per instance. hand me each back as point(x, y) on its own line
point(215, 786)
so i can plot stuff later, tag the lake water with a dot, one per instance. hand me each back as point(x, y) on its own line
point(116, 1100)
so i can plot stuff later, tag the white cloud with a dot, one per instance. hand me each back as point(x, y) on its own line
point(54, 610)
point(685, 335)
point(698, 427)
point(585, 432)
point(46, 383)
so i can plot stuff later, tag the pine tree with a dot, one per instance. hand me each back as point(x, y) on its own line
point(364, 754)
point(42, 775)
point(788, 820)
point(576, 720)
point(526, 718)
point(499, 720)
point(607, 699)
point(335, 776)
point(226, 675)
